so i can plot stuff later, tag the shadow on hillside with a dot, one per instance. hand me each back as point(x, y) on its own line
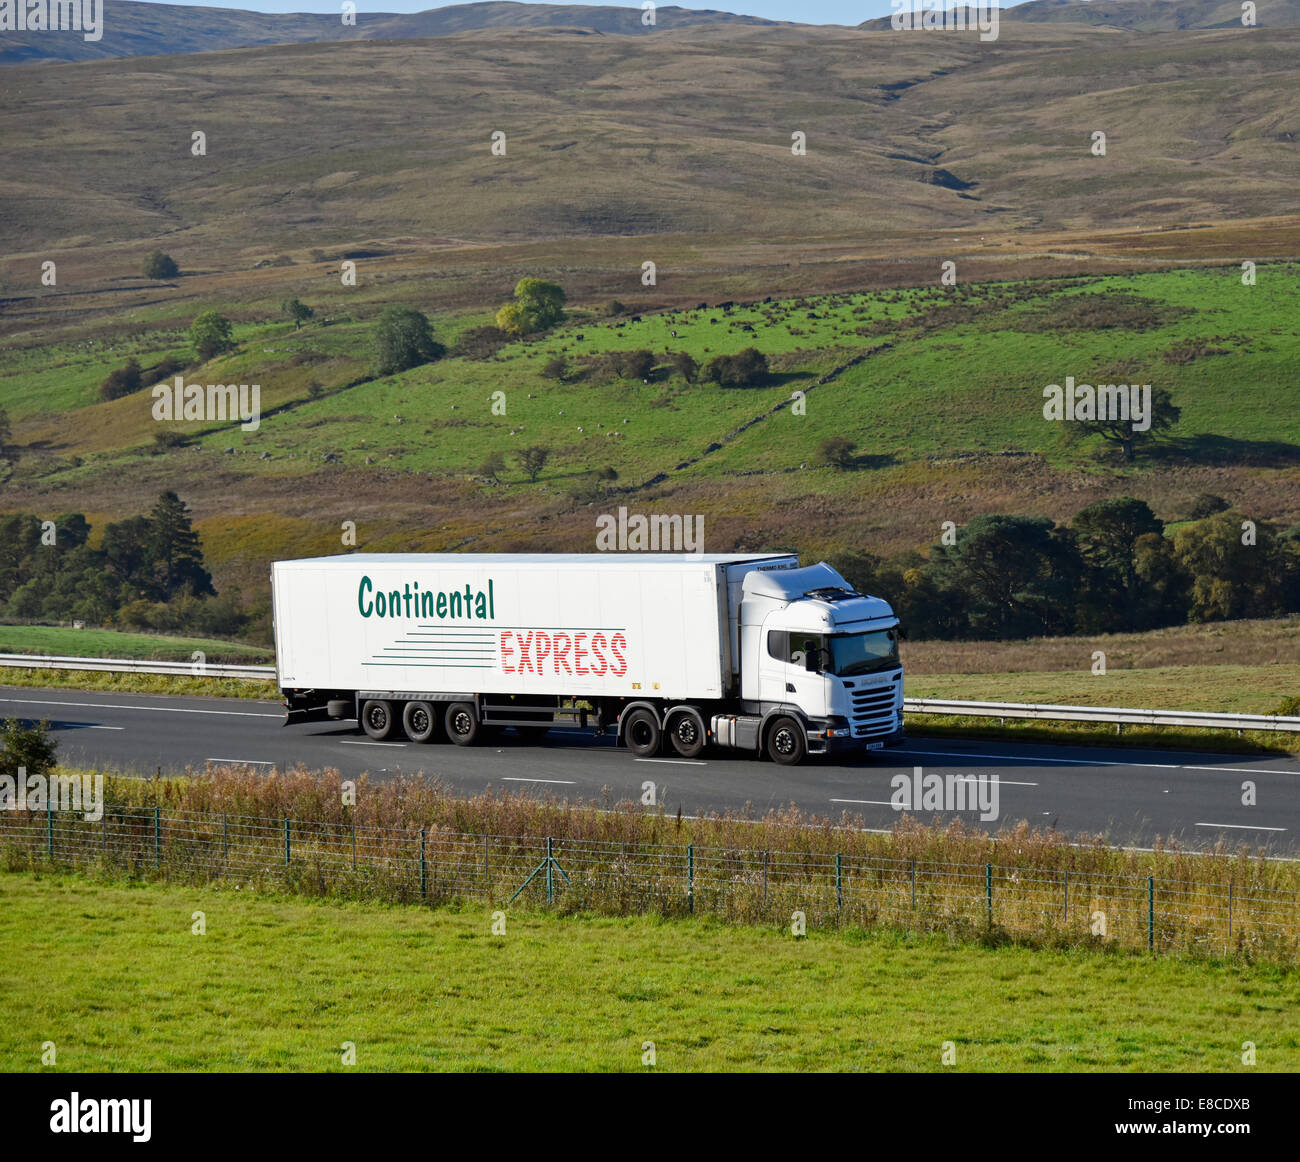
point(1211, 448)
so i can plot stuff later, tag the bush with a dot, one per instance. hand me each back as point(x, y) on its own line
point(556, 368)
point(160, 265)
point(615, 308)
point(839, 451)
point(635, 364)
point(747, 368)
point(684, 365)
point(1207, 504)
point(165, 369)
point(123, 381)
point(29, 747)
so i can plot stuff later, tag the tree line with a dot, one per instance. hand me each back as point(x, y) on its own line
point(147, 572)
point(1113, 568)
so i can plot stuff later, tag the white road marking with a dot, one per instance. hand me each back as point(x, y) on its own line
point(1046, 761)
point(870, 802)
point(89, 727)
point(358, 742)
point(117, 706)
point(1240, 826)
point(675, 762)
point(566, 782)
point(244, 762)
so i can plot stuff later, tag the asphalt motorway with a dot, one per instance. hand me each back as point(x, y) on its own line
point(1129, 795)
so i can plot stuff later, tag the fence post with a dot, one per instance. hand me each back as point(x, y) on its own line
point(913, 885)
point(764, 877)
point(487, 874)
point(354, 847)
point(1151, 913)
point(49, 828)
point(988, 890)
point(839, 880)
point(690, 877)
point(286, 841)
point(550, 876)
point(1229, 911)
point(424, 883)
point(1065, 915)
point(225, 836)
point(157, 837)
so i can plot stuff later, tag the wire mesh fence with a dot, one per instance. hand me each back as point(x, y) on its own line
point(817, 890)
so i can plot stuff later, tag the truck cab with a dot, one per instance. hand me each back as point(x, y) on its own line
point(816, 652)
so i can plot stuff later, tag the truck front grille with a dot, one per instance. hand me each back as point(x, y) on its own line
point(874, 710)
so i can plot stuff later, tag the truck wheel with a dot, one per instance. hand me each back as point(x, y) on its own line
point(686, 735)
point(378, 719)
point(421, 722)
point(463, 726)
point(786, 742)
point(641, 733)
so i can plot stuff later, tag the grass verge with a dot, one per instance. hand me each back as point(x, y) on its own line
point(281, 983)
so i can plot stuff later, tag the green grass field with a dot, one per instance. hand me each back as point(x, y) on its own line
point(119, 982)
point(108, 643)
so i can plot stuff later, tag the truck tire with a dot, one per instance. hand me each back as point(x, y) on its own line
point(786, 742)
point(422, 722)
point(641, 733)
point(378, 719)
point(686, 733)
point(463, 726)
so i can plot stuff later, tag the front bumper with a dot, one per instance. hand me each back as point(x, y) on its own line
point(834, 737)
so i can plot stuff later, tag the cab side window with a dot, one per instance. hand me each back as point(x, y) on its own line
point(778, 644)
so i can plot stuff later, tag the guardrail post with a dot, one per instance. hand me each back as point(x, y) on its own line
point(424, 881)
point(286, 841)
point(690, 877)
point(157, 836)
point(988, 890)
point(1151, 913)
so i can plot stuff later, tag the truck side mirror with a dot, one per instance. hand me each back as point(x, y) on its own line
point(811, 657)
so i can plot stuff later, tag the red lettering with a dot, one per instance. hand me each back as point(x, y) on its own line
point(525, 643)
point(543, 644)
point(620, 667)
point(562, 653)
point(597, 643)
point(579, 652)
point(506, 652)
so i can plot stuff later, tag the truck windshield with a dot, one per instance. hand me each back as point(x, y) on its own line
point(863, 653)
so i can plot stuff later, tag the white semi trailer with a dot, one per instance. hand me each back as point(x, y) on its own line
point(742, 650)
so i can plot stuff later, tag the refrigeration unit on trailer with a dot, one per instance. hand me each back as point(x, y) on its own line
point(746, 651)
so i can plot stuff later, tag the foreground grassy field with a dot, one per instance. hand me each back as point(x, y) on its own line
point(110, 643)
point(281, 984)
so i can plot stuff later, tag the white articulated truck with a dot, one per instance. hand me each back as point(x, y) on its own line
point(742, 650)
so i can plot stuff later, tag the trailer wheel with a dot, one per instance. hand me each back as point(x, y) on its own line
point(786, 742)
point(641, 733)
point(463, 726)
point(686, 734)
point(378, 719)
point(421, 722)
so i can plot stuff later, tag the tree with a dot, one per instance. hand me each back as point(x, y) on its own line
point(684, 365)
point(298, 311)
point(533, 460)
point(537, 306)
point(1016, 576)
point(839, 451)
point(1120, 432)
point(404, 339)
point(1232, 576)
point(210, 333)
point(492, 467)
point(174, 551)
point(1107, 534)
point(123, 381)
point(29, 747)
point(160, 265)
